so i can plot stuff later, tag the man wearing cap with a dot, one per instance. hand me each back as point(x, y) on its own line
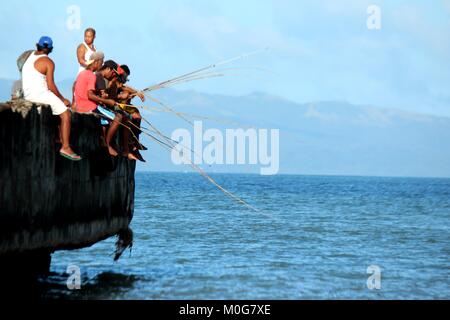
point(123, 78)
point(39, 86)
point(106, 73)
point(126, 94)
point(108, 77)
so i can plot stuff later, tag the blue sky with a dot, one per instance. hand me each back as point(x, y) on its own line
point(319, 50)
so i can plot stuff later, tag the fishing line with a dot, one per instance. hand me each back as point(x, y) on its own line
point(192, 165)
point(205, 175)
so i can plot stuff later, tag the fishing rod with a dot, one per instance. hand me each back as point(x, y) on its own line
point(191, 76)
point(201, 76)
point(200, 171)
point(155, 130)
point(182, 80)
point(212, 66)
point(215, 73)
point(194, 116)
point(195, 167)
point(120, 123)
point(166, 138)
point(169, 109)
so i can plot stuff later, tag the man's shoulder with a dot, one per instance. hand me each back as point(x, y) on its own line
point(86, 75)
point(44, 62)
point(45, 59)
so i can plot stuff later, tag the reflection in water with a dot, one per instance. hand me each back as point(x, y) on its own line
point(106, 285)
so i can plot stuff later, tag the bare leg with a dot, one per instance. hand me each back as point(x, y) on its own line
point(103, 137)
point(74, 105)
point(125, 143)
point(65, 132)
point(125, 137)
point(137, 118)
point(110, 134)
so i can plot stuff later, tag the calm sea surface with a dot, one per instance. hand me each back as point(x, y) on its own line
point(314, 238)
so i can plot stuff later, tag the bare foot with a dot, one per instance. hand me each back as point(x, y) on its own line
point(137, 155)
point(132, 157)
point(112, 151)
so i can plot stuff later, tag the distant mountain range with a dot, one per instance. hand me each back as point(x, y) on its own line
point(335, 138)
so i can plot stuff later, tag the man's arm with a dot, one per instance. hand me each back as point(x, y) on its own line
point(50, 73)
point(81, 51)
point(93, 97)
point(134, 92)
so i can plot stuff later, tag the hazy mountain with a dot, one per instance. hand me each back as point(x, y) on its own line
point(315, 138)
point(324, 137)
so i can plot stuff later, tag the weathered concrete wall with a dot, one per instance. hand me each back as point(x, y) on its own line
point(48, 202)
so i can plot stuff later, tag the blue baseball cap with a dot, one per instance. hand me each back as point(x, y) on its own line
point(46, 42)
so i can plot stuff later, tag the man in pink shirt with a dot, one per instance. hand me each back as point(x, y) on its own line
point(87, 100)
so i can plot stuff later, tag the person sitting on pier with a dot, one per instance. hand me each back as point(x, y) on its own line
point(124, 97)
point(38, 86)
point(113, 88)
point(106, 74)
point(133, 92)
point(88, 100)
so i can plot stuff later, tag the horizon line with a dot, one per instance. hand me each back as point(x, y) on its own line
point(300, 174)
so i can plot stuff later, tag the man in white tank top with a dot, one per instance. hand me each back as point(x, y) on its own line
point(86, 49)
point(39, 86)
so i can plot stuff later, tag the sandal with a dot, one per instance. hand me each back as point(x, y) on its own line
point(72, 156)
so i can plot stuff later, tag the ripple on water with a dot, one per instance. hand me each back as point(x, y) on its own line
point(315, 239)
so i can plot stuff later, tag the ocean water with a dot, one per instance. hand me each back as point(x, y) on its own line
point(314, 238)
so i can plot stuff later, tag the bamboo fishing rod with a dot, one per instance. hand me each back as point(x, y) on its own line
point(191, 76)
point(170, 147)
point(166, 138)
point(170, 109)
point(194, 116)
point(212, 66)
point(128, 128)
point(203, 75)
point(198, 76)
